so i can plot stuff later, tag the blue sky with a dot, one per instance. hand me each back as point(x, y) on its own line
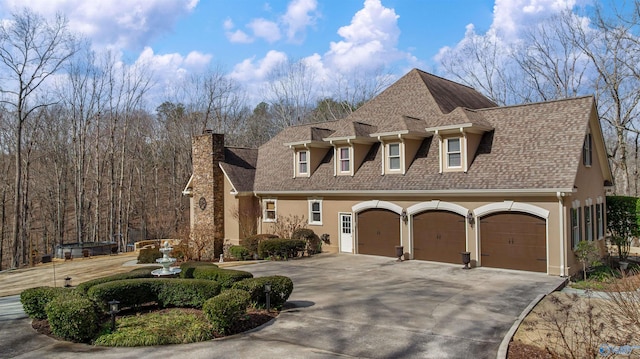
point(247, 38)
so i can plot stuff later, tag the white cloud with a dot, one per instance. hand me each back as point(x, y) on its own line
point(370, 40)
point(265, 29)
point(511, 17)
point(300, 15)
point(251, 70)
point(237, 36)
point(114, 24)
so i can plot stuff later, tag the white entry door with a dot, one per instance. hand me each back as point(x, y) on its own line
point(346, 230)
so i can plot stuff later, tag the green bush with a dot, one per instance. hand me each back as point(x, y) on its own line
point(314, 244)
point(226, 277)
point(34, 300)
point(252, 243)
point(226, 308)
point(73, 317)
point(281, 248)
point(129, 292)
point(281, 288)
point(136, 273)
point(185, 292)
point(149, 255)
point(187, 268)
point(240, 253)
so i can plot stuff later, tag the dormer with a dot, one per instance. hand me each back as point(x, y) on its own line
point(457, 145)
point(399, 146)
point(351, 143)
point(309, 152)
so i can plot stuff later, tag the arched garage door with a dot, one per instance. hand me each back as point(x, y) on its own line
point(439, 236)
point(513, 241)
point(378, 232)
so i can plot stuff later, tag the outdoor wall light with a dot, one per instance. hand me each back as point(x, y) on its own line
point(114, 308)
point(267, 292)
point(67, 282)
point(404, 216)
point(470, 218)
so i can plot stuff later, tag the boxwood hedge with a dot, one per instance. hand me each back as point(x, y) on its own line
point(279, 248)
point(226, 308)
point(226, 277)
point(73, 317)
point(136, 273)
point(34, 300)
point(281, 288)
point(188, 268)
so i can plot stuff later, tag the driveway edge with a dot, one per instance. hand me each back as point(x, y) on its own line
point(504, 345)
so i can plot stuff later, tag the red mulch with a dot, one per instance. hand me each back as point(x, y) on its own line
point(519, 350)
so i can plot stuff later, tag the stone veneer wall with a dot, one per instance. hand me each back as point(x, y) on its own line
point(208, 183)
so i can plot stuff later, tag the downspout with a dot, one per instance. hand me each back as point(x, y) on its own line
point(563, 250)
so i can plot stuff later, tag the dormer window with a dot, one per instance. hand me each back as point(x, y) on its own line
point(344, 158)
point(303, 162)
point(587, 151)
point(454, 154)
point(393, 156)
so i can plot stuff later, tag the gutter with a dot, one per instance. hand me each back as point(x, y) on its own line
point(412, 193)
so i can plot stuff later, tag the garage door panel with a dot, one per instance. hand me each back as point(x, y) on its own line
point(439, 236)
point(514, 241)
point(378, 232)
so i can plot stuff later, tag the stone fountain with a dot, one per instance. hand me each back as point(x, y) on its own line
point(166, 262)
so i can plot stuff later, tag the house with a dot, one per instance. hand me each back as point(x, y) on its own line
point(428, 164)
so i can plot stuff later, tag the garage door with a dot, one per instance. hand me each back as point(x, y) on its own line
point(439, 236)
point(378, 232)
point(514, 241)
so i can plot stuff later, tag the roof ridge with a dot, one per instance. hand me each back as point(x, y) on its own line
point(537, 103)
point(446, 79)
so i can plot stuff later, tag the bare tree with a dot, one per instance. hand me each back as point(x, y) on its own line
point(291, 92)
point(32, 49)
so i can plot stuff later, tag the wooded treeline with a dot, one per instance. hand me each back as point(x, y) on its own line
point(85, 156)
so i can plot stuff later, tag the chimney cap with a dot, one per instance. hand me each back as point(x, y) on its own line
point(207, 132)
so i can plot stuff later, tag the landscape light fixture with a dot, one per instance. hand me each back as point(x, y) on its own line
point(67, 282)
point(114, 308)
point(267, 291)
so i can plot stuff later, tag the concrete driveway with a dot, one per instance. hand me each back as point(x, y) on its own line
point(359, 306)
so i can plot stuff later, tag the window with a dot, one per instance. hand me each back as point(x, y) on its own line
point(586, 150)
point(588, 223)
point(394, 156)
point(599, 220)
point(269, 209)
point(344, 157)
point(576, 234)
point(454, 155)
point(315, 211)
point(303, 163)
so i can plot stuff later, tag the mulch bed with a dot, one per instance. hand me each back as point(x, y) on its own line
point(519, 350)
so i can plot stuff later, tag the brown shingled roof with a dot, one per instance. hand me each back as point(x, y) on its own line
point(240, 167)
point(533, 146)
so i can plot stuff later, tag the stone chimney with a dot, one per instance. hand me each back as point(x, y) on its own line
point(208, 190)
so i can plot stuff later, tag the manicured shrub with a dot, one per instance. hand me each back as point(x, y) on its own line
point(281, 288)
point(188, 268)
point(129, 292)
point(34, 300)
point(240, 253)
point(185, 292)
point(281, 248)
point(314, 244)
point(226, 277)
point(252, 243)
point(73, 317)
point(149, 255)
point(136, 273)
point(226, 308)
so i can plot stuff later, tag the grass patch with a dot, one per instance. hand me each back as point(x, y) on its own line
point(171, 326)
